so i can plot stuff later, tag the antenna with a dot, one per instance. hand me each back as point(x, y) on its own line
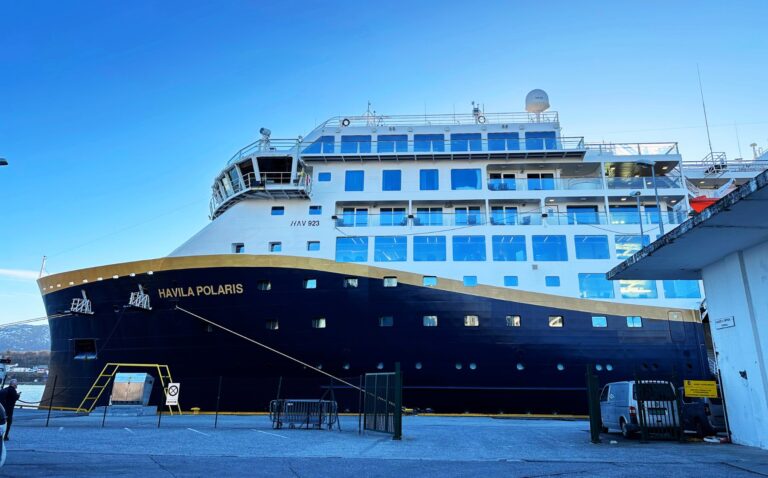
point(704, 107)
point(43, 272)
point(738, 140)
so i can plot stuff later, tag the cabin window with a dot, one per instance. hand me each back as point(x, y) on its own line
point(595, 286)
point(510, 281)
point(555, 320)
point(390, 180)
point(470, 281)
point(84, 349)
point(503, 141)
point(508, 248)
point(552, 281)
point(272, 325)
point(356, 144)
point(390, 249)
point(323, 144)
point(263, 285)
point(592, 247)
point(465, 179)
point(634, 322)
point(323, 177)
point(638, 289)
point(238, 247)
point(466, 142)
point(310, 283)
point(468, 248)
point(428, 142)
point(315, 210)
point(468, 216)
point(353, 180)
point(351, 249)
point(429, 180)
point(351, 282)
point(353, 217)
point(392, 216)
point(278, 210)
point(429, 248)
point(428, 216)
point(599, 321)
point(390, 282)
point(318, 323)
point(313, 245)
point(390, 143)
point(429, 321)
point(386, 321)
point(549, 248)
point(540, 140)
point(275, 246)
point(513, 321)
point(504, 215)
point(429, 281)
point(471, 321)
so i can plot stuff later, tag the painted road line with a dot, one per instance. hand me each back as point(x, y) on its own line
point(193, 430)
point(267, 433)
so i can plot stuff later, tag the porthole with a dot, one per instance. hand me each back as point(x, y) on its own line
point(609, 367)
point(473, 366)
point(458, 366)
point(380, 366)
point(319, 366)
point(645, 366)
point(598, 367)
point(560, 367)
point(418, 365)
point(655, 366)
point(346, 366)
point(689, 366)
point(520, 366)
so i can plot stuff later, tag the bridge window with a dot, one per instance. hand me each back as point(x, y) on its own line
point(599, 321)
point(638, 289)
point(278, 210)
point(465, 179)
point(468, 248)
point(540, 140)
point(390, 143)
point(429, 321)
point(390, 179)
point(428, 143)
point(324, 177)
point(353, 180)
point(682, 289)
point(508, 248)
point(238, 247)
point(592, 247)
point(510, 281)
point(513, 321)
point(313, 245)
point(552, 281)
point(471, 321)
point(595, 286)
point(466, 142)
point(429, 248)
point(634, 321)
point(356, 144)
point(315, 210)
point(556, 321)
point(323, 144)
point(351, 249)
point(84, 349)
point(390, 249)
point(503, 141)
point(429, 180)
point(549, 248)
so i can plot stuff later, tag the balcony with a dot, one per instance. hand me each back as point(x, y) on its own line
point(642, 183)
point(633, 149)
point(545, 184)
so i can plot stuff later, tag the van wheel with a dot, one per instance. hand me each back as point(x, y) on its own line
point(624, 430)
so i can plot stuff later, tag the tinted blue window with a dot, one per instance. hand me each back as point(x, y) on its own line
point(510, 281)
point(503, 141)
point(351, 249)
point(549, 248)
point(540, 140)
point(552, 281)
point(353, 180)
point(595, 286)
point(428, 180)
point(541, 182)
point(356, 144)
point(652, 213)
point(501, 215)
point(508, 248)
point(390, 143)
point(324, 177)
point(592, 247)
point(428, 142)
point(638, 289)
point(682, 289)
point(315, 210)
point(628, 245)
point(392, 216)
point(390, 180)
point(465, 179)
point(429, 248)
point(278, 210)
point(428, 216)
point(470, 281)
point(390, 248)
point(582, 215)
point(466, 142)
point(624, 215)
point(313, 245)
point(323, 144)
point(468, 248)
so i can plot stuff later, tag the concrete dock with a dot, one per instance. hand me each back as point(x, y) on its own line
point(432, 446)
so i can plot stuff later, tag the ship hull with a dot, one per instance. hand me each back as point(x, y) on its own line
point(490, 368)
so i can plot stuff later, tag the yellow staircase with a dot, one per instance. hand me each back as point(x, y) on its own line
point(108, 373)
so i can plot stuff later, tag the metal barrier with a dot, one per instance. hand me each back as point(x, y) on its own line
point(383, 403)
point(658, 409)
point(302, 413)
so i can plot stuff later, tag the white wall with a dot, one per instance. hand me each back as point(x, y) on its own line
point(736, 286)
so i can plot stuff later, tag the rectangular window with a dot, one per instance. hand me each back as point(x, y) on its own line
point(541, 182)
point(595, 286)
point(471, 321)
point(429, 180)
point(468, 248)
point(390, 248)
point(390, 143)
point(513, 321)
point(263, 285)
point(428, 216)
point(428, 143)
point(323, 177)
point(468, 216)
point(315, 210)
point(599, 321)
point(634, 321)
point(353, 217)
point(582, 215)
point(624, 215)
point(503, 141)
point(351, 282)
point(392, 216)
point(508, 248)
point(353, 180)
point(429, 321)
point(503, 215)
point(626, 246)
point(278, 210)
point(429, 281)
point(682, 289)
point(85, 349)
point(390, 180)
point(323, 144)
point(310, 283)
point(386, 321)
point(351, 249)
point(429, 248)
point(466, 142)
point(465, 179)
point(638, 289)
point(313, 245)
point(555, 320)
point(470, 281)
point(318, 323)
point(275, 246)
point(592, 247)
point(238, 247)
point(549, 248)
point(552, 281)
point(510, 281)
point(355, 144)
point(540, 140)
point(390, 282)
point(272, 324)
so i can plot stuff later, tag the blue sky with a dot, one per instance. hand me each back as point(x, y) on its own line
point(115, 116)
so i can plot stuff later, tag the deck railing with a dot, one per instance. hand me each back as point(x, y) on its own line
point(634, 149)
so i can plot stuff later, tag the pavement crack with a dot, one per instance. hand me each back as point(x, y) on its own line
point(162, 467)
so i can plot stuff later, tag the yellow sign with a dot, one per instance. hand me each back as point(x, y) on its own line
point(700, 388)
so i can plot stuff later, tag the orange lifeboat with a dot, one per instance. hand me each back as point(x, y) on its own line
point(700, 203)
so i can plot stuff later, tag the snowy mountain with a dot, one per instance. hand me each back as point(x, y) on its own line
point(25, 338)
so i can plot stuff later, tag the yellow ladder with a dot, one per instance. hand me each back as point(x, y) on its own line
point(108, 373)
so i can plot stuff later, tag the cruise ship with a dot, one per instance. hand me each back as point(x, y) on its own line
point(469, 248)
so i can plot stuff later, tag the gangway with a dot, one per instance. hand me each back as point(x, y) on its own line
point(108, 373)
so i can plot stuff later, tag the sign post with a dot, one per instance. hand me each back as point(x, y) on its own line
point(172, 395)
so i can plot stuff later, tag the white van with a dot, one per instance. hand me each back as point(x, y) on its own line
point(619, 408)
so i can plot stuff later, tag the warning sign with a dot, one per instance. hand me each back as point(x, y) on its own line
point(172, 395)
point(700, 388)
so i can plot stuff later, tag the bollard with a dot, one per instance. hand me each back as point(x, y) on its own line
point(218, 399)
point(50, 402)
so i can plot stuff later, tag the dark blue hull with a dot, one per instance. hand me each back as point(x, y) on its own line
point(449, 368)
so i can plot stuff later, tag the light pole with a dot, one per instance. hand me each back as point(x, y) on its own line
point(637, 194)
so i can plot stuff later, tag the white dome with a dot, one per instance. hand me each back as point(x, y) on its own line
point(536, 101)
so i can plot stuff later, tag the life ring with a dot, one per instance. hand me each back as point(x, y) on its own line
point(481, 119)
point(345, 122)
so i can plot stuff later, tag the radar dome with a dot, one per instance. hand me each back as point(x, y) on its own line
point(536, 101)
